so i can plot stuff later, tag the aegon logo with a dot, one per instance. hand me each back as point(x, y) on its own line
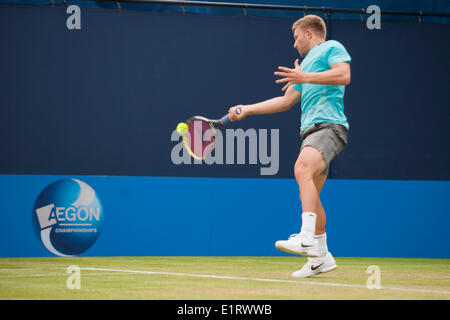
point(68, 217)
point(80, 214)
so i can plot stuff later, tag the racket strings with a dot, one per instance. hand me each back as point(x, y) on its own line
point(200, 138)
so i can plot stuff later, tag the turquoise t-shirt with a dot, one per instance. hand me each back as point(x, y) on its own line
point(322, 103)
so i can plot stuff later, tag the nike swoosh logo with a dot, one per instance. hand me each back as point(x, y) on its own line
point(313, 268)
point(305, 246)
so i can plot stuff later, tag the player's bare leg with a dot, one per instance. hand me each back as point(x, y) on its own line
point(319, 181)
point(325, 261)
point(307, 170)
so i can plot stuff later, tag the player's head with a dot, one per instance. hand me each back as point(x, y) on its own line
point(308, 31)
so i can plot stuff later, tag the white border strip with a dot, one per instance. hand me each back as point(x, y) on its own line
point(329, 284)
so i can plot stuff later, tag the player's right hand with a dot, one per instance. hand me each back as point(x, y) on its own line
point(234, 115)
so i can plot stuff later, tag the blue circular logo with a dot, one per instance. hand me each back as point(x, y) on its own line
point(68, 217)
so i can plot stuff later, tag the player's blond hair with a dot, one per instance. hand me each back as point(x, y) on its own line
point(312, 22)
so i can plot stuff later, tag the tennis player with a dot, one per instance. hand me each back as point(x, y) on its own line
point(319, 84)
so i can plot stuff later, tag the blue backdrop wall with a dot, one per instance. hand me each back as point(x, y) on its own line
point(182, 216)
point(105, 99)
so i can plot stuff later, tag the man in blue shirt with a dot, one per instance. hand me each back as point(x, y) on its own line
point(319, 84)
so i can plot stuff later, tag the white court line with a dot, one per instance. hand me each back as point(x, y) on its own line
point(330, 284)
point(58, 275)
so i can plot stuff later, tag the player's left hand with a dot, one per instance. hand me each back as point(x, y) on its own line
point(291, 76)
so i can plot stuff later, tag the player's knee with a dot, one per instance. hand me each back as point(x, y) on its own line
point(303, 170)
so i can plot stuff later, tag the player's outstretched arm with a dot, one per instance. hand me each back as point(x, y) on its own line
point(274, 105)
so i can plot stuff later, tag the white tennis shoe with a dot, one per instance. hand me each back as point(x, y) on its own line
point(314, 266)
point(298, 244)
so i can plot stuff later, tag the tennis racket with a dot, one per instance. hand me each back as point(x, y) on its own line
point(202, 133)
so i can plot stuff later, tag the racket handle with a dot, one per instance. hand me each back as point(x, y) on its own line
point(226, 118)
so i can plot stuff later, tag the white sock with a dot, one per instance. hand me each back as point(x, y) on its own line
point(308, 226)
point(322, 247)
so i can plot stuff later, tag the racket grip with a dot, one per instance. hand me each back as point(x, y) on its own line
point(225, 119)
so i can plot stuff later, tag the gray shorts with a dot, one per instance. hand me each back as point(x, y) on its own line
point(329, 138)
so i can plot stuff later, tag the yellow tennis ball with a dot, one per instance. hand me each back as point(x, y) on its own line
point(182, 128)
